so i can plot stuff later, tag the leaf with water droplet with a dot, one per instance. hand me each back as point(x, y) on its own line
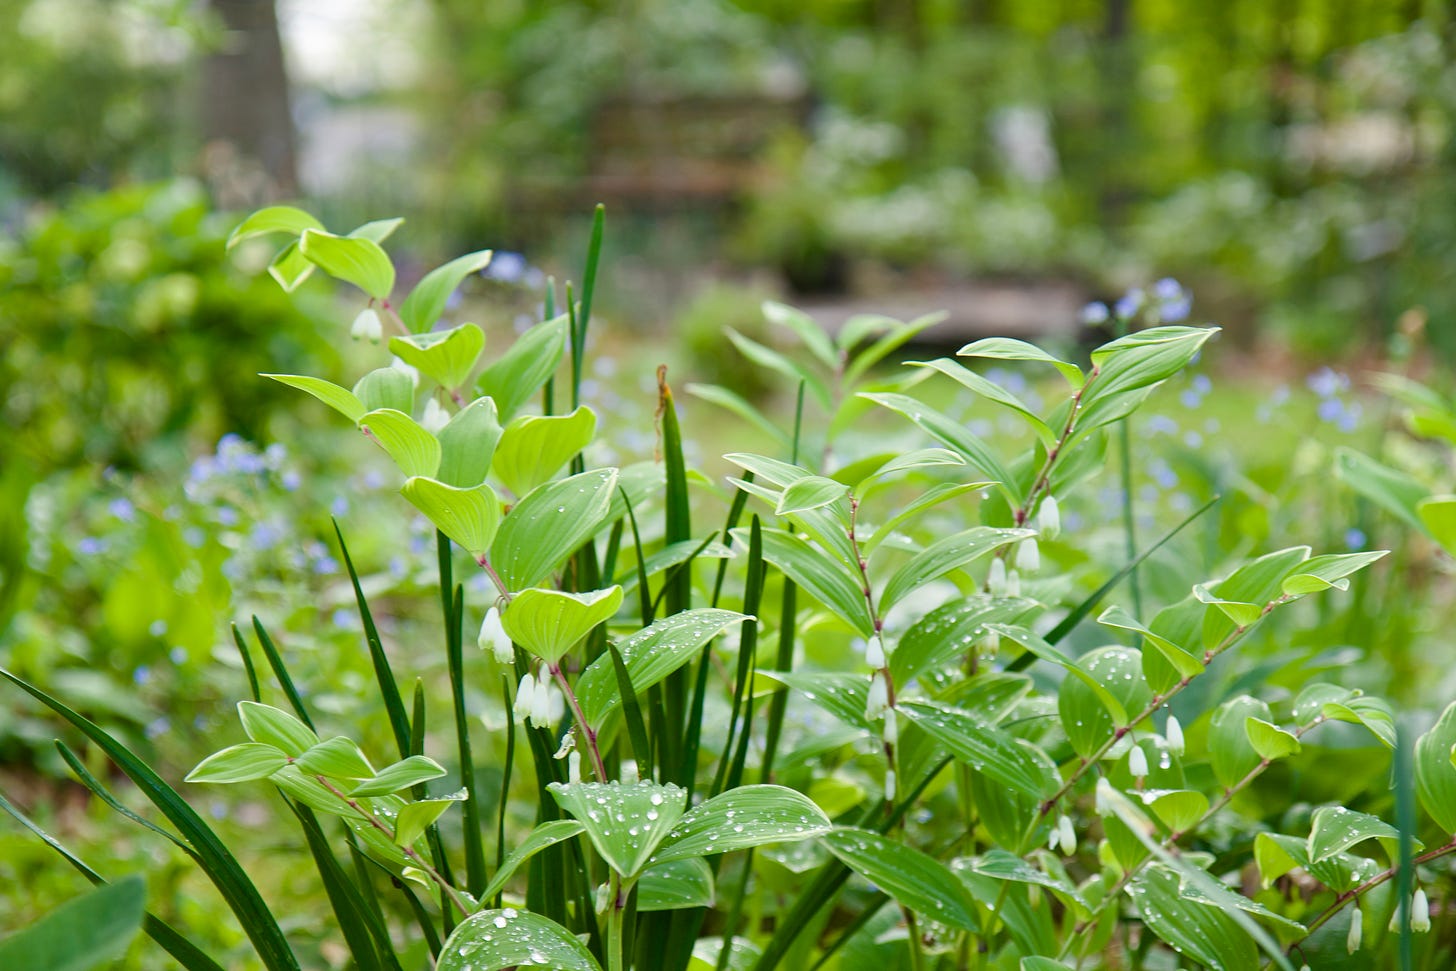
point(625, 822)
point(915, 879)
point(490, 940)
point(744, 817)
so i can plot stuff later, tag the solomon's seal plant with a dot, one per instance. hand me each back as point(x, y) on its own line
point(875, 701)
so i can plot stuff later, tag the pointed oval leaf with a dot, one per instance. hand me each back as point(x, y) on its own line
point(290, 267)
point(549, 524)
point(1181, 660)
point(805, 328)
point(1335, 829)
point(945, 555)
point(400, 776)
point(491, 940)
point(1117, 674)
point(386, 387)
point(470, 517)
point(1269, 740)
point(447, 357)
point(427, 300)
point(82, 934)
point(239, 763)
point(1177, 809)
point(548, 623)
point(650, 655)
point(337, 758)
point(1435, 774)
point(1195, 930)
point(467, 444)
point(1011, 349)
point(919, 882)
point(417, 817)
point(1330, 570)
point(675, 886)
point(1230, 750)
point(768, 358)
point(625, 822)
point(744, 817)
point(950, 631)
point(270, 725)
point(738, 405)
point(353, 259)
point(273, 219)
point(414, 450)
point(525, 366)
point(340, 399)
point(533, 448)
point(991, 391)
point(813, 492)
point(953, 435)
point(544, 835)
point(982, 747)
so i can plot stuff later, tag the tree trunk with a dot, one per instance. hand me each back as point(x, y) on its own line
point(250, 157)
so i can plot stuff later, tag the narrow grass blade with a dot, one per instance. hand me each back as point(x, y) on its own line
point(730, 768)
point(677, 588)
point(784, 661)
point(505, 789)
point(106, 796)
point(280, 671)
point(247, 663)
point(418, 725)
point(187, 954)
point(475, 874)
point(644, 592)
point(632, 713)
point(221, 866)
point(366, 943)
point(735, 512)
point(388, 689)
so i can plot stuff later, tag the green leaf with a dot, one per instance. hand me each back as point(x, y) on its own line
point(548, 623)
point(742, 818)
point(549, 524)
point(239, 763)
point(1240, 612)
point(534, 448)
point(400, 776)
point(917, 881)
point(447, 357)
point(274, 219)
point(625, 822)
point(1177, 809)
point(991, 391)
point(467, 445)
point(898, 334)
point(470, 517)
point(1397, 492)
point(953, 435)
point(1103, 697)
point(928, 499)
point(735, 403)
point(544, 835)
point(1001, 865)
point(1130, 367)
point(805, 328)
point(353, 259)
point(82, 934)
point(1276, 854)
point(675, 886)
point(1335, 829)
point(943, 556)
point(340, 399)
point(415, 451)
point(774, 361)
point(982, 747)
point(650, 655)
point(386, 387)
point(1330, 570)
point(1010, 349)
point(811, 492)
point(1232, 754)
point(842, 695)
point(377, 230)
point(1438, 515)
point(427, 300)
point(1269, 740)
point(491, 940)
point(1182, 661)
point(337, 758)
point(825, 579)
point(417, 817)
point(272, 726)
point(1435, 775)
point(948, 632)
point(1373, 713)
point(1196, 930)
point(290, 267)
point(525, 366)
point(920, 458)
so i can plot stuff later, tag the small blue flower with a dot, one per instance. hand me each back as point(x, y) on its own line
point(373, 479)
point(141, 675)
point(339, 506)
point(1355, 539)
point(291, 480)
point(507, 267)
point(157, 628)
point(1190, 398)
point(1327, 382)
point(217, 809)
point(227, 516)
point(122, 509)
point(1172, 311)
point(275, 455)
point(230, 442)
point(1202, 384)
point(90, 546)
point(1161, 425)
point(1167, 289)
point(157, 727)
point(1193, 440)
point(1331, 410)
point(325, 564)
point(194, 537)
point(1129, 304)
point(177, 655)
point(1095, 313)
point(343, 619)
point(265, 536)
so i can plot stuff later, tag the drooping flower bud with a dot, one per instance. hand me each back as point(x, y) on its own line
point(1174, 735)
point(1066, 835)
point(875, 652)
point(1137, 762)
point(525, 696)
point(1357, 922)
point(573, 766)
point(1013, 584)
point(1102, 797)
point(996, 579)
point(367, 326)
point(435, 417)
point(892, 728)
point(879, 698)
point(1028, 556)
point(1420, 911)
point(1049, 518)
point(889, 785)
point(493, 637)
point(542, 704)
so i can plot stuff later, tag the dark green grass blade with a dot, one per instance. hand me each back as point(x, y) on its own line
point(644, 592)
point(280, 671)
point(364, 870)
point(671, 575)
point(632, 714)
point(1084, 608)
point(581, 317)
point(735, 512)
point(548, 389)
point(505, 788)
point(105, 795)
point(418, 725)
point(388, 689)
point(247, 657)
point(730, 769)
point(614, 546)
point(475, 873)
point(189, 955)
point(221, 866)
point(677, 587)
point(1405, 819)
point(784, 661)
point(367, 944)
point(422, 917)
